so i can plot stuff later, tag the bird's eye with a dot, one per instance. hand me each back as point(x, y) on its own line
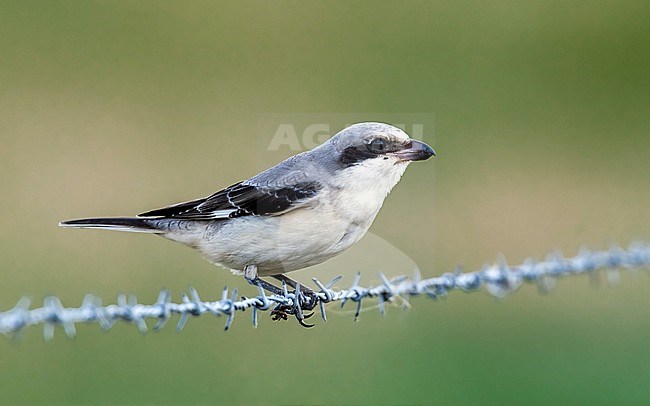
point(378, 146)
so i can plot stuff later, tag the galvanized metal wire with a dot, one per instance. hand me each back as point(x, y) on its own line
point(498, 279)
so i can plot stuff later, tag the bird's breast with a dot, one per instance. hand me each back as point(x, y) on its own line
point(296, 239)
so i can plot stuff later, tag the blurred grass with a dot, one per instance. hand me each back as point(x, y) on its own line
point(542, 123)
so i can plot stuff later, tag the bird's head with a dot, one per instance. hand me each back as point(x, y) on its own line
point(381, 142)
point(376, 153)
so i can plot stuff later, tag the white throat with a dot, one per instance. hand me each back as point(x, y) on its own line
point(364, 187)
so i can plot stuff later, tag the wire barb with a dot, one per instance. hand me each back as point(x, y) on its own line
point(499, 280)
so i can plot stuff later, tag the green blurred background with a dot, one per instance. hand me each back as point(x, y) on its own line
point(542, 123)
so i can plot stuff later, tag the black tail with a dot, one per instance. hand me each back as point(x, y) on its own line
point(136, 225)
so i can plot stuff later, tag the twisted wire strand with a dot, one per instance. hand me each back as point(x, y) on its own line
point(498, 279)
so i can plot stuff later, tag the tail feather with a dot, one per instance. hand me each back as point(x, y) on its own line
point(131, 224)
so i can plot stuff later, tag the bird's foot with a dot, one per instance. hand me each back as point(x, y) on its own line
point(305, 298)
point(308, 298)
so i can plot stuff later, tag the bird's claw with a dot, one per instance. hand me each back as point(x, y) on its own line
point(305, 325)
point(302, 317)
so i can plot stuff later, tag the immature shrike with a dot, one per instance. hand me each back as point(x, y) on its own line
point(301, 212)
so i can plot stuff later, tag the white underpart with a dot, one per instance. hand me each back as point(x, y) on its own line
point(305, 236)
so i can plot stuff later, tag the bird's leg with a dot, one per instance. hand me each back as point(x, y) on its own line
point(284, 278)
point(250, 273)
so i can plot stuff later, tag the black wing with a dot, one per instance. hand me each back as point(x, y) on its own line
point(240, 200)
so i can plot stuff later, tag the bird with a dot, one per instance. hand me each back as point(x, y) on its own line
point(300, 212)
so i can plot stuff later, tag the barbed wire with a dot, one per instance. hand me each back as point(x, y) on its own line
point(499, 279)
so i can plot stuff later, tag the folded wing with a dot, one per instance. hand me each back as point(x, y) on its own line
point(240, 200)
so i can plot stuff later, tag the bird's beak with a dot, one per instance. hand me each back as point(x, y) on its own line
point(415, 151)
